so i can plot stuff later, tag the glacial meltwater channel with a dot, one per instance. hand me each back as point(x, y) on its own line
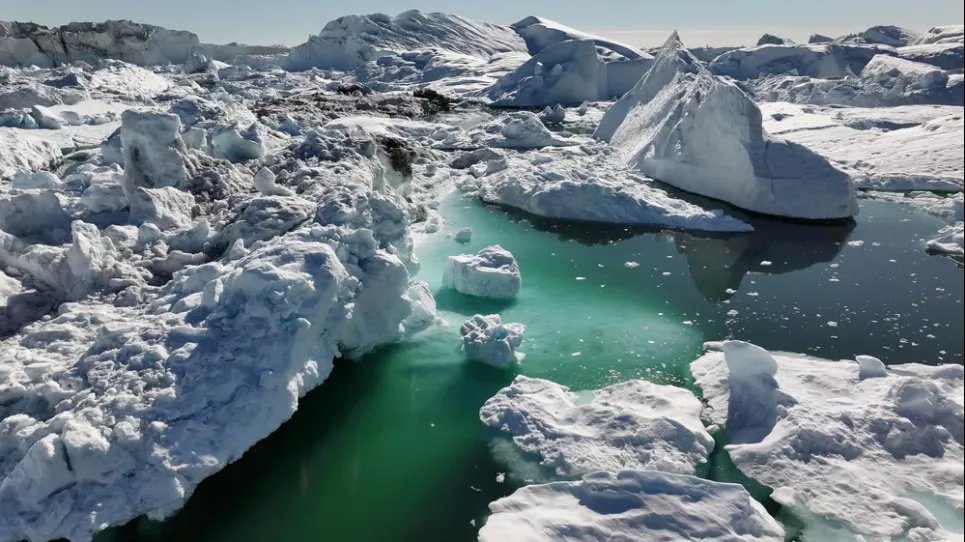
point(390, 448)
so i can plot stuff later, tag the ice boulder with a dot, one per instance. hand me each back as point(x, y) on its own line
point(486, 339)
point(850, 454)
point(634, 425)
point(630, 506)
point(265, 183)
point(349, 42)
point(492, 272)
point(691, 129)
point(568, 72)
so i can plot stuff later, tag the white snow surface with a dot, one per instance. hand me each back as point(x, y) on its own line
point(349, 42)
point(914, 147)
point(691, 129)
point(585, 184)
point(630, 506)
point(486, 339)
point(874, 457)
point(633, 425)
point(492, 272)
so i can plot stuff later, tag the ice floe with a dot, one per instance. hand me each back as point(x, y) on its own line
point(485, 338)
point(492, 272)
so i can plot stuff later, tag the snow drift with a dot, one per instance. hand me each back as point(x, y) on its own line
point(684, 126)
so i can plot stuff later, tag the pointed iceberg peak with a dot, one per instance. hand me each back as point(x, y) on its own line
point(673, 42)
point(674, 48)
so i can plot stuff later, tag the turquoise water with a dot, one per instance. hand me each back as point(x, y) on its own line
point(390, 448)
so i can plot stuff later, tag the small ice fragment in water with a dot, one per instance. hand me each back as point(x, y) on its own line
point(500, 477)
point(855, 243)
point(766, 263)
point(464, 235)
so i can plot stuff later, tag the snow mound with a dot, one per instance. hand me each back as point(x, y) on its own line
point(351, 41)
point(541, 33)
point(585, 185)
point(630, 506)
point(28, 44)
point(568, 72)
point(913, 147)
point(486, 339)
point(492, 272)
point(876, 457)
point(686, 127)
point(632, 425)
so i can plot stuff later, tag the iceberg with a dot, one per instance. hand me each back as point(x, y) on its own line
point(634, 425)
point(486, 339)
point(492, 272)
point(688, 128)
point(853, 452)
point(630, 506)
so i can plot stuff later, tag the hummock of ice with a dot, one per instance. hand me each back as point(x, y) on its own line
point(824, 60)
point(492, 272)
point(688, 128)
point(630, 506)
point(879, 457)
point(633, 425)
point(567, 72)
point(582, 183)
point(349, 42)
point(485, 338)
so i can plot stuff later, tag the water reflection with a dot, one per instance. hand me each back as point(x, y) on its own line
point(718, 263)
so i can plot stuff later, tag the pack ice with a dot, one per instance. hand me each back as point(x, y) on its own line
point(858, 451)
point(686, 127)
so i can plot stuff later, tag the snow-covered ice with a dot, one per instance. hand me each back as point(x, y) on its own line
point(491, 272)
point(634, 425)
point(486, 339)
point(689, 128)
point(850, 450)
point(630, 506)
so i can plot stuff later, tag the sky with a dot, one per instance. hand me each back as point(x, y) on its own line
point(643, 23)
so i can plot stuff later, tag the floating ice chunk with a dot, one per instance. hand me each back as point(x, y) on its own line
point(950, 240)
point(630, 425)
point(491, 272)
point(464, 235)
point(34, 214)
point(486, 339)
point(167, 207)
point(870, 367)
point(678, 125)
point(878, 457)
point(265, 183)
point(25, 180)
point(423, 306)
point(238, 145)
point(630, 506)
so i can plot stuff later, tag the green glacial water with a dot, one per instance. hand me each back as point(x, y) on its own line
point(390, 448)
